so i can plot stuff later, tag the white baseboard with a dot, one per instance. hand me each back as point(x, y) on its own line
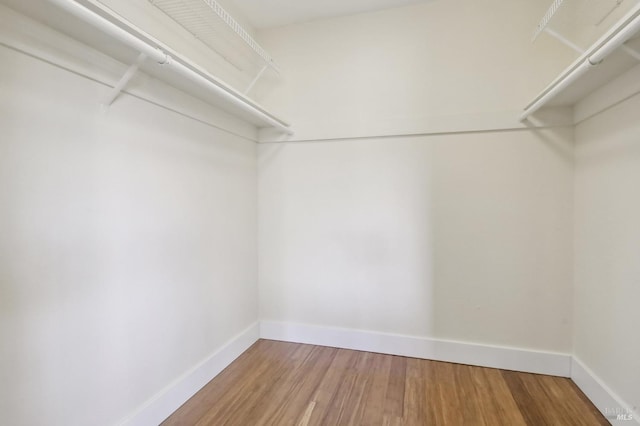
point(173, 396)
point(555, 364)
point(164, 403)
point(609, 404)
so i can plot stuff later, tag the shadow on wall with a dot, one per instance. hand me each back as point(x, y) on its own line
point(502, 231)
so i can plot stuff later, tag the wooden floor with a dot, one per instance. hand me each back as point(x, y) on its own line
point(277, 383)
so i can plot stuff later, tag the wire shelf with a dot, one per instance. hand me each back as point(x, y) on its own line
point(582, 21)
point(215, 27)
point(547, 17)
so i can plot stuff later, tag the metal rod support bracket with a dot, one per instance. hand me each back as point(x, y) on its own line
point(562, 39)
point(255, 79)
point(631, 52)
point(128, 75)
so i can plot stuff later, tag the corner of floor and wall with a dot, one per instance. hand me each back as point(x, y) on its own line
point(145, 246)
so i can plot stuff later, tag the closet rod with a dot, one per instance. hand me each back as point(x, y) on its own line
point(167, 60)
point(620, 36)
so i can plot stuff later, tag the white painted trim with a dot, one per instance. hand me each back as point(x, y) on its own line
point(600, 394)
point(419, 125)
point(555, 364)
point(165, 402)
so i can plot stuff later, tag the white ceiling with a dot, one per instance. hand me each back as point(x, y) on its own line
point(275, 13)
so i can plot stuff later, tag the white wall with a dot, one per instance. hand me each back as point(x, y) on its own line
point(607, 243)
point(464, 237)
point(127, 248)
point(422, 68)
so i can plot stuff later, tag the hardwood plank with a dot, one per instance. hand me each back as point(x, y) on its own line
point(566, 395)
point(394, 397)
point(296, 389)
point(263, 392)
point(391, 421)
point(235, 406)
point(588, 405)
point(544, 400)
point(304, 421)
point(530, 408)
point(496, 400)
point(353, 403)
point(335, 414)
point(420, 389)
point(447, 394)
point(326, 388)
point(279, 383)
point(465, 384)
point(229, 379)
point(377, 392)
